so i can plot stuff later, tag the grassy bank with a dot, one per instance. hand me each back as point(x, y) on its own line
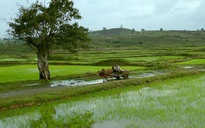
point(55, 94)
point(171, 100)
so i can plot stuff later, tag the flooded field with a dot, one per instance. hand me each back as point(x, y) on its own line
point(74, 82)
point(69, 83)
point(175, 103)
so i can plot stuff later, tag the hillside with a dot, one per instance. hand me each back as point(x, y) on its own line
point(124, 38)
point(121, 37)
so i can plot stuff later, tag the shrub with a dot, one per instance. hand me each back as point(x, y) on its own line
point(160, 64)
point(112, 62)
point(59, 57)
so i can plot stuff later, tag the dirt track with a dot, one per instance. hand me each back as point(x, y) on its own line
point(26, 92)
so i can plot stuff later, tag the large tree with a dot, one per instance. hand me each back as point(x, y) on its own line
point(49, 26)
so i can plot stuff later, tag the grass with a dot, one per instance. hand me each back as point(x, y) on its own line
point(161, 104)
point(153, 58)
point(30, 72)
point(18, 73)
point(193, 62)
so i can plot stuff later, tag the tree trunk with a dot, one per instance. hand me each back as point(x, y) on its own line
point(43, 65)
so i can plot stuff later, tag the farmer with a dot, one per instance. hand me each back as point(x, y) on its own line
point(116, 69)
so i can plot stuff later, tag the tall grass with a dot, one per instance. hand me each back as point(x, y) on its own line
point(168, 104)
point(193, 62)
point(177, 103)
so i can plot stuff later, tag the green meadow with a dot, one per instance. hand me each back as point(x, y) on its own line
point(164, 90)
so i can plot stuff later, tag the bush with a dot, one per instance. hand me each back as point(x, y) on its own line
point(160, 64)
point(112, 62)
point(59, 57)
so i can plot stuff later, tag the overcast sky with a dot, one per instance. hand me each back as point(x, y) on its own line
point(137, 14)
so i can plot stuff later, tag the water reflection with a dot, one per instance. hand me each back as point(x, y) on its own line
point(74, 82)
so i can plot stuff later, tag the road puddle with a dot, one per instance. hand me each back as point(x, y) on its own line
point(74, 82)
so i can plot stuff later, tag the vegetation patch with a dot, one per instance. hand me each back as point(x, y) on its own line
point(160, 64)
point(73, 120)
point(161, 100)
point(112, 62)
point(66, 93)
point(193, 62)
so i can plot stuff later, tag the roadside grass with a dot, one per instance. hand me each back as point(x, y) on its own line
point(55, 94)
point(163, 103)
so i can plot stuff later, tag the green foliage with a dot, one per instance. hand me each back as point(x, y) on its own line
point(80, 120)
point(47, 27)
point(72, 37)
point(30, 72)
point(160, 64)
point(163, 99)
point(59, 57)
point(40, 26)
point(112, 62)
point(58, 94)
point(47, 120)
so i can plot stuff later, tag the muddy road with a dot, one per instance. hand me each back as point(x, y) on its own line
point(63, 84)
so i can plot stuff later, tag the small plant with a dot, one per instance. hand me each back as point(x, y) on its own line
point(46, 119)
point(113, 62)
point(80, 121)
point(160, 64)
point(75, 121)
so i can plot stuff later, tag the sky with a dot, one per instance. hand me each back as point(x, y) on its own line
point(132, 14)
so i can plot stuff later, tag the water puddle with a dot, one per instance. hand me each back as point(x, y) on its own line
point(188, 67)
point(148, 74)
point(74, 82)
point(78, 82)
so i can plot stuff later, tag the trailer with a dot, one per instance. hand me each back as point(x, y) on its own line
point(122, 74)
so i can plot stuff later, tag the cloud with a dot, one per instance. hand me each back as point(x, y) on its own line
point(147, 14)
point(150, 14)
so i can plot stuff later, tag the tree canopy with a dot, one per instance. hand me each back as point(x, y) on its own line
point(49, 26)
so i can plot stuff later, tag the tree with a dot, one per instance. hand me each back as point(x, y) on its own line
point(104, 28)
point(133, 30)
point(142, 30)
point(47, 27)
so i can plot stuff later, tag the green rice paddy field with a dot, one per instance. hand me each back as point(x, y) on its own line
point(160, 101)
point(30, 72)
point(172, 103)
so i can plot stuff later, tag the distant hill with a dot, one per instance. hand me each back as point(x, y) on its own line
point(113, 31)
point(123, 37)
point(127, 38)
